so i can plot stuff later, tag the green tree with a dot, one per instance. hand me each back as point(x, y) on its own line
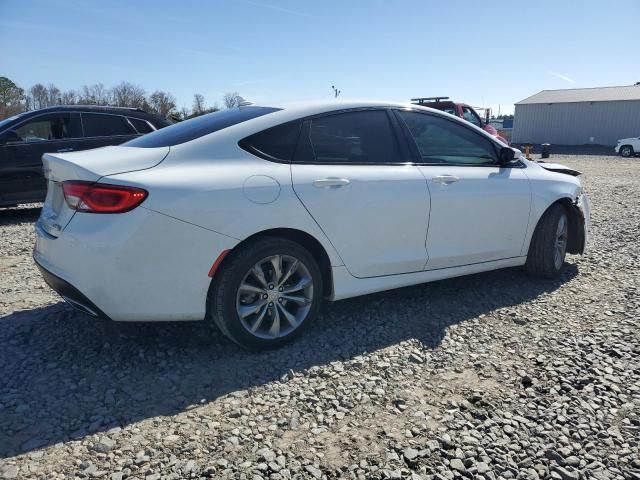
point(11, 97)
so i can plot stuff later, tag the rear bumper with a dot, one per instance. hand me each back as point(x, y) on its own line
point(135, 266)
point(70, 294)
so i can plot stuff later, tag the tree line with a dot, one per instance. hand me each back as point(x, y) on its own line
point(14, 99)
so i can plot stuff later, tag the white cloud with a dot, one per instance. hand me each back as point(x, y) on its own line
point(561, 77)
point(279, 9)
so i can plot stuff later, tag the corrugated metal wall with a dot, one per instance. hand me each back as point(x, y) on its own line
point(599, 123)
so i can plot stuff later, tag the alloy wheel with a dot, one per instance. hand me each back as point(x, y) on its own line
point(560, 247)
point(274, 297)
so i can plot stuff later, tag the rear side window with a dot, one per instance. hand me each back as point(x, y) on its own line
point(99, 125)
point(140, 125)
point(198, 127)
point(276, 143)
point(362, 137)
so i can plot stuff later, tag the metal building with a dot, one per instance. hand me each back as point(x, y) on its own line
point(578, 116)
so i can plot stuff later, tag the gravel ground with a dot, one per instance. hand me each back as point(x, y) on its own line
point(491, 376)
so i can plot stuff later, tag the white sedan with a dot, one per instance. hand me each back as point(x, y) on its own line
point(248, 218)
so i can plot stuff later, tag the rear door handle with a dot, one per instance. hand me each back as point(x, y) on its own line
point(62, 150)
point(331, 182)
point(445, 179)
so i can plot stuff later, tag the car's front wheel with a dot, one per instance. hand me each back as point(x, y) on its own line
point(548, 247)
point(626, 151)
point(266, 293)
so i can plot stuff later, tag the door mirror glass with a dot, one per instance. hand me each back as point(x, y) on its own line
point(507, 155)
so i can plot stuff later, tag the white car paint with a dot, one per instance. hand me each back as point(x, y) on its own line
point(633, 141)
point(386, 227)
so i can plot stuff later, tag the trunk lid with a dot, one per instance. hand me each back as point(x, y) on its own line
point(88, 165)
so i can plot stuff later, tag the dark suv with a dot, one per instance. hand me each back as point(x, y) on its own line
point(25, 137)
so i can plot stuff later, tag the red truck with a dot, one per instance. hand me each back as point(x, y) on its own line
point(462, 110)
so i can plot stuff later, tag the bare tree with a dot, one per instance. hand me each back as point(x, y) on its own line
point(199, 107)
point(162, 103)
point(232, 99)
point(39, 96)
point(53, 95)
point(95, 94)
point(10, 98)
point(185, 113)
point(70, 97)
point(129, 95)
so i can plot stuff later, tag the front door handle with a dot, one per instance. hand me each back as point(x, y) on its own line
point(331, 182)
point(62, 150)
point(445, 179)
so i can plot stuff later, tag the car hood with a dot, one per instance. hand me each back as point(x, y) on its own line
point(628, 140)
point(556, 167)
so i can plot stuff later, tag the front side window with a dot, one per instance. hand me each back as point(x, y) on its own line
point(361, 137)
point(102, 125)
point(43, 128)
point(470, 116)
point(440, 140)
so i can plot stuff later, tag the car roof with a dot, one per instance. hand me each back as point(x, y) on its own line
point(296, 110)
point(132, 112)
point(58, 108)
point(157, 120)
point(288, 112)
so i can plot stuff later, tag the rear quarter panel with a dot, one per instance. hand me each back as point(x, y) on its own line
point(230, 192)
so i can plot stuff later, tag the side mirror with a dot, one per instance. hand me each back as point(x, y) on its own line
point(507, 155)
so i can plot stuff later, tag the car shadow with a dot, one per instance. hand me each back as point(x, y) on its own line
point(15, 215)
point(66, 375)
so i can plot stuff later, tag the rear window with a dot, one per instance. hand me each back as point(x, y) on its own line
point(99, 125)
point(198, 127)
point(277, 143)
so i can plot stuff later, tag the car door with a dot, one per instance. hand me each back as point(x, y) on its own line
point(102, 129)
point(479, 209)
point(21, 176)
point(354, 177)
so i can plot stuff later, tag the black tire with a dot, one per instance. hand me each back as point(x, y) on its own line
point(223, 297)
point(626, 151)
point(542, 260)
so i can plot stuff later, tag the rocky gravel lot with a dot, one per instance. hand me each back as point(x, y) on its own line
point(490, 376)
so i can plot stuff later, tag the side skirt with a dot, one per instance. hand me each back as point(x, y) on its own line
point(346, 285)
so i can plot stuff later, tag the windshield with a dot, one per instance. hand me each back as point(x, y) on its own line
point(198, 127)
point(7, 121)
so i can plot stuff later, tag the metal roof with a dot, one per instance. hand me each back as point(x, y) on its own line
point(572, 95)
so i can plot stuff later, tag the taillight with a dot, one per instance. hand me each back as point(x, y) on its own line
point(93, 197)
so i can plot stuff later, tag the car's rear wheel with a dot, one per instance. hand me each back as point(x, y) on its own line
point(266, 293)
point(548, 247)
point(626, 151)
